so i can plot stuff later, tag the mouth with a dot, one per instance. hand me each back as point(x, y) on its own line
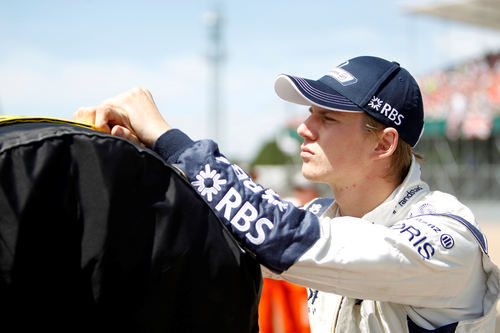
point(306, 153)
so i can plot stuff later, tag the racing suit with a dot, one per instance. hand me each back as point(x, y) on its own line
point(416, 263)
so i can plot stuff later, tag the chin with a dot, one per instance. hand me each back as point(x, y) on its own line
point(310, 175)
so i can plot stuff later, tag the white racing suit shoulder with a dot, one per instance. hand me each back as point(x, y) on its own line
point(402, 266)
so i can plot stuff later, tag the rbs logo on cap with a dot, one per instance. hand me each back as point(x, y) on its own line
point(387, 110)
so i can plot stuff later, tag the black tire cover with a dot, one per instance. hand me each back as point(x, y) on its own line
point(98, 234)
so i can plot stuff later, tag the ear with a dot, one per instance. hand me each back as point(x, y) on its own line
point(387, 143)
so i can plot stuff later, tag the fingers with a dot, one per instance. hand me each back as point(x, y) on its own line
point(132, 115)
point(85, 114)
point(102, 118)
point(125, 133)
point(106, 117)
point(141, 114)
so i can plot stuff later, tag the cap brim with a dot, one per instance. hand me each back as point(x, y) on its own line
point(309, 92)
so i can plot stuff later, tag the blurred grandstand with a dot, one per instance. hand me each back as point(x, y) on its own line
point(461, 142)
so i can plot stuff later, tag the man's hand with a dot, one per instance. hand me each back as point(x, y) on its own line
point(132, 115)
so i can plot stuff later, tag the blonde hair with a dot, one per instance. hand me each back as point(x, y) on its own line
point(402, 156)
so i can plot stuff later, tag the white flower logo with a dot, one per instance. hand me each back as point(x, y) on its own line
point(315, 208)
point(208, 182)
point(274, 199)
point(375, 103)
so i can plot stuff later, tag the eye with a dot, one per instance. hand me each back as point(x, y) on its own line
point(329, 118)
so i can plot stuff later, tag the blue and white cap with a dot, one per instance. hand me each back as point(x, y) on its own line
point(383, 89)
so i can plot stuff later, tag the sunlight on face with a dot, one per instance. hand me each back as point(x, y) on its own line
point(336, 147)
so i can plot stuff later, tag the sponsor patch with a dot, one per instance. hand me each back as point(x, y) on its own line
point(243, 215)
point(410, 193)
point(447, 241)
point(386, 110)
point(315, 208)
point(416, 238)
point(208, 182)
point(311, 298)
point(342, 76)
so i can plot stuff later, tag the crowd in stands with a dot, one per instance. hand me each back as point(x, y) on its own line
point(467, 97)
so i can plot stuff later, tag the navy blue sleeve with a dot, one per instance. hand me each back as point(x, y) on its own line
point(171, 144)
point(275, 231)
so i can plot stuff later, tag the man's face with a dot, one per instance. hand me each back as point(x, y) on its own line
point(336, 148)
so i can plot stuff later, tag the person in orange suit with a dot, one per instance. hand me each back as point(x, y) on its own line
point(283, 305)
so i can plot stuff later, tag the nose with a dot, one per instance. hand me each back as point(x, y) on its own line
point(306, 129)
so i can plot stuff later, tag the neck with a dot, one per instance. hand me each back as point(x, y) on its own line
point(357, 199)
